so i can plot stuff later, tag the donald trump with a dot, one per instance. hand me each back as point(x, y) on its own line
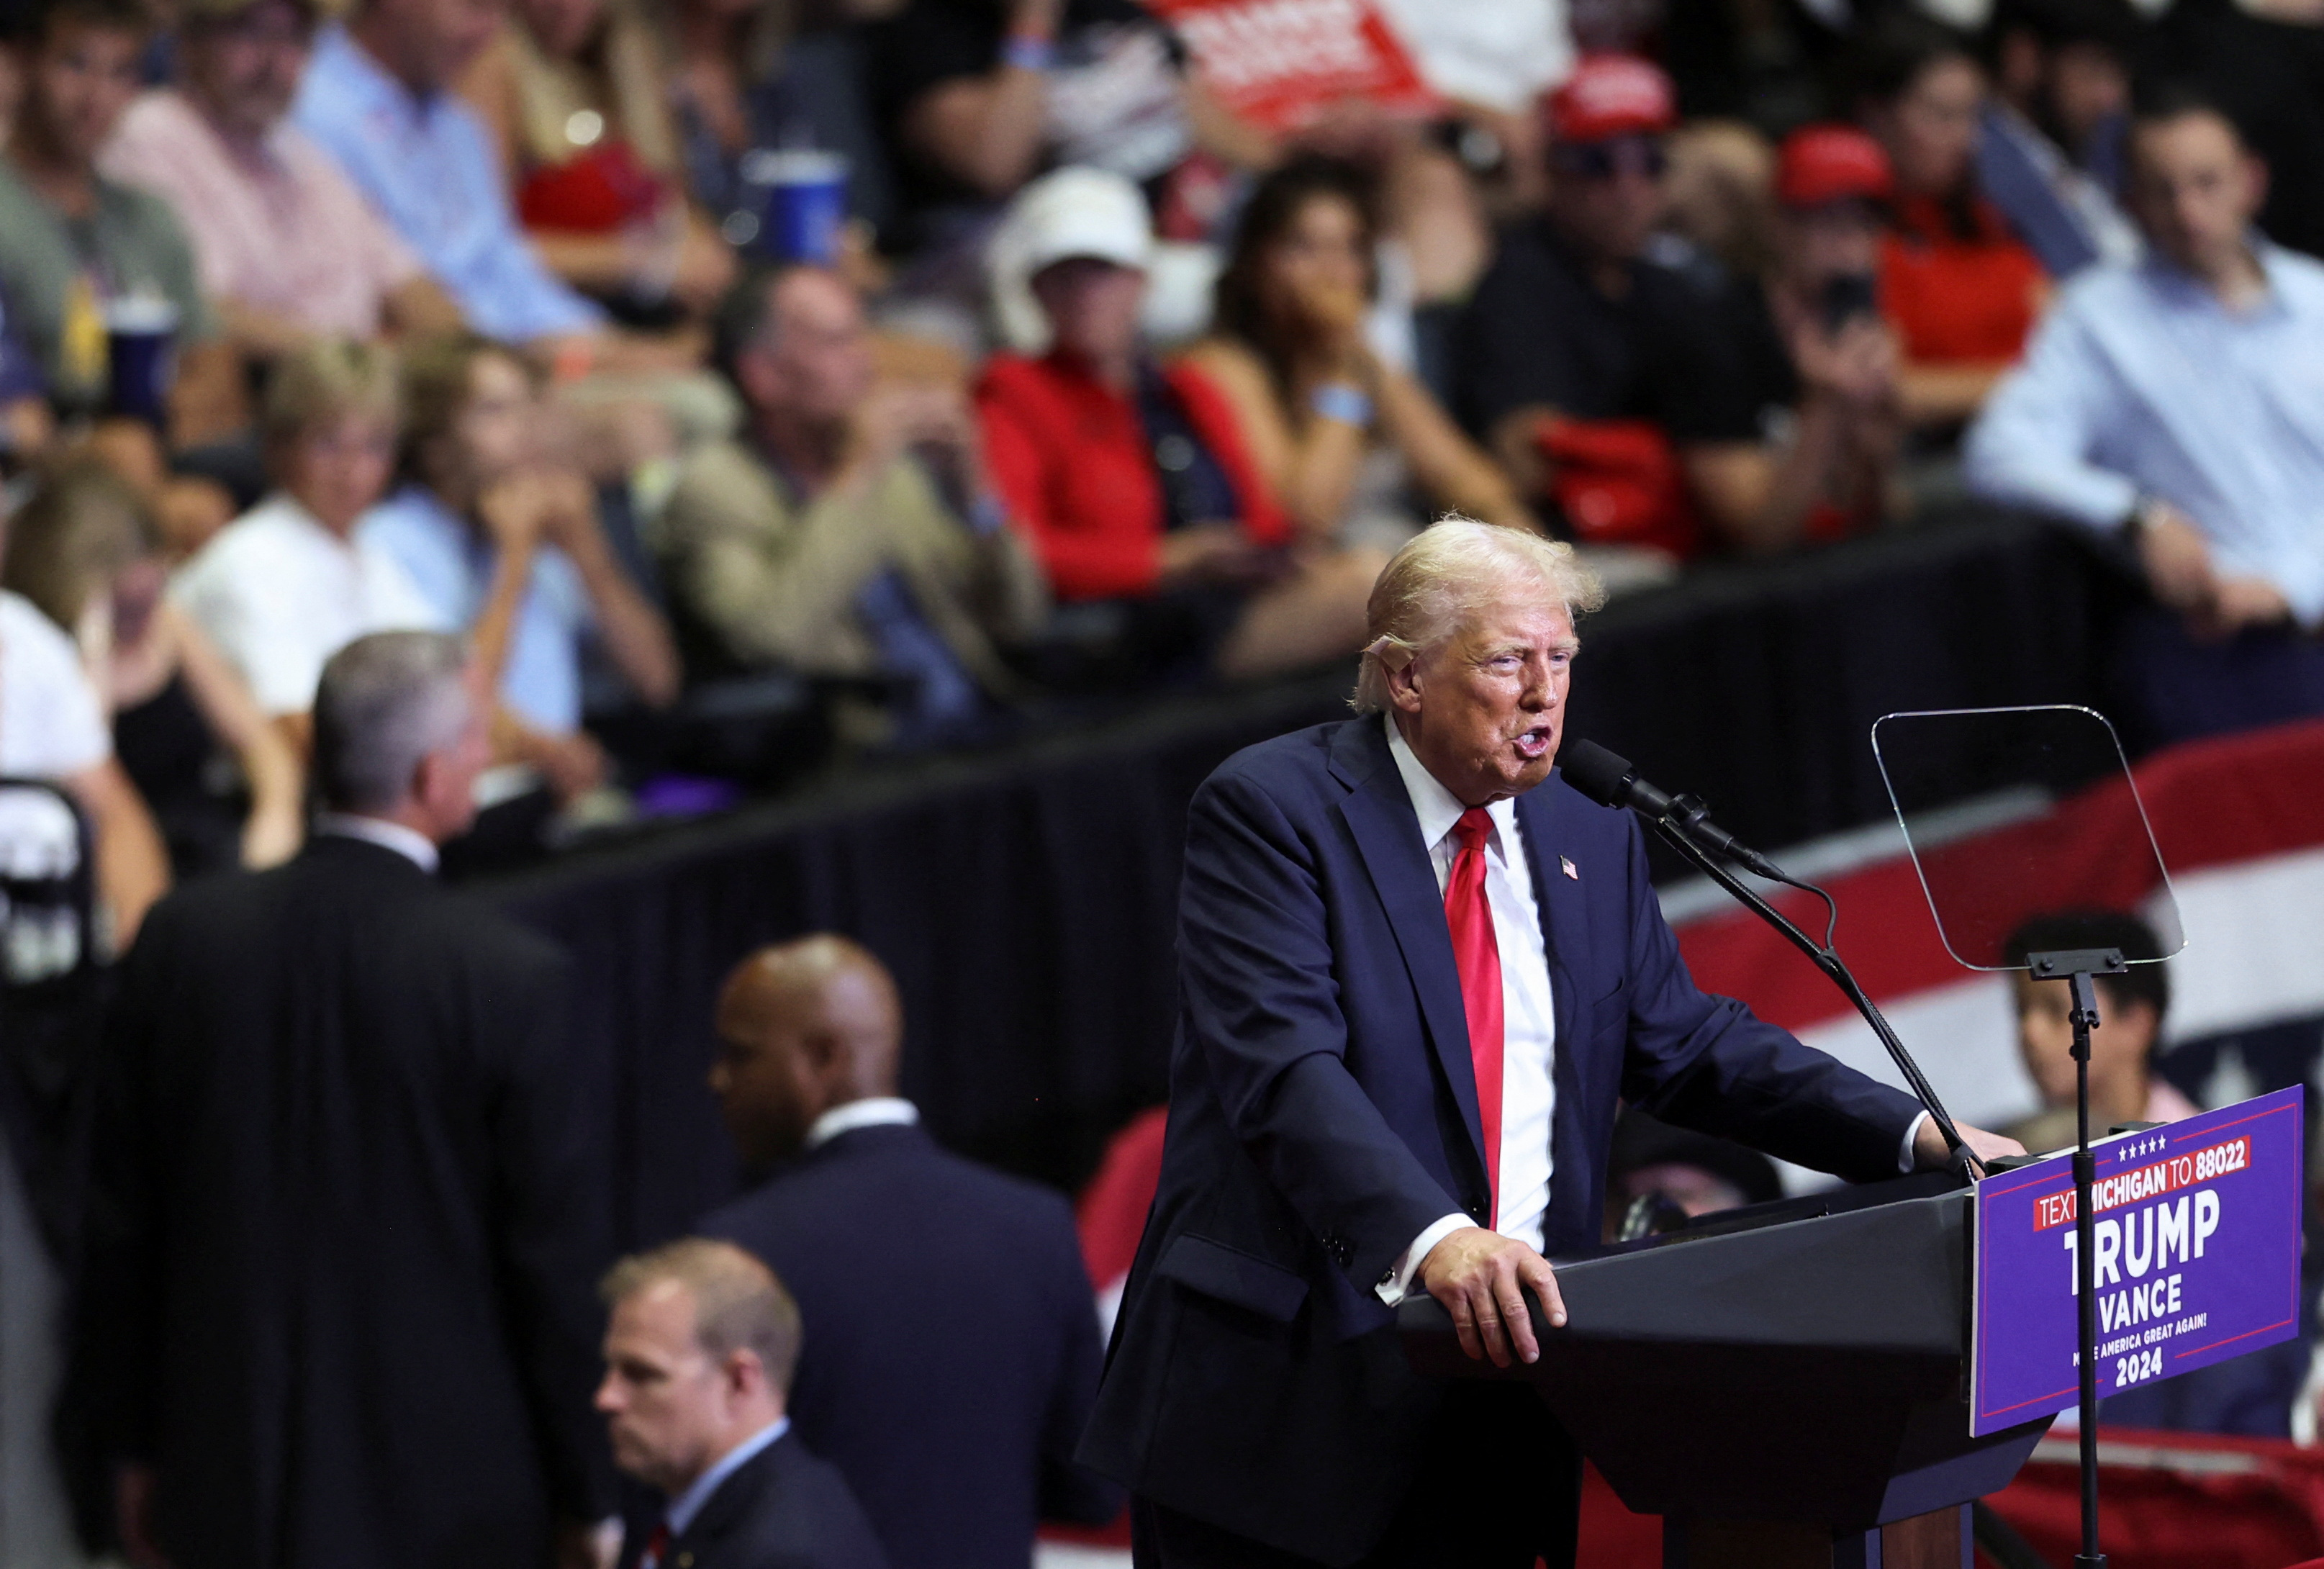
point(1418, 974)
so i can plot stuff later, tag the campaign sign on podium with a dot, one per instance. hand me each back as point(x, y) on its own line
point(2198, 1259)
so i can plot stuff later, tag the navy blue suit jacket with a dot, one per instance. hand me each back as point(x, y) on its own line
point(950, 1353)
point(782, 1508)
point(1323, 1113)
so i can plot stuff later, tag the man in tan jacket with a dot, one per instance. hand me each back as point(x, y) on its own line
point(851, 528)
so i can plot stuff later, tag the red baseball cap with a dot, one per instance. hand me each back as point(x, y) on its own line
point(1832, 163)
point(1611, 94)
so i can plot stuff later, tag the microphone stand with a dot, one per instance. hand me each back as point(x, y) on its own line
point(2075, 967)
point(1827, 960)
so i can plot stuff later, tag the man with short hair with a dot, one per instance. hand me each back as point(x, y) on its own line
point(699, 1359)
point(349, 1196)
point(379, 98)
point(954, 1415)
point(851, 529)
point(288, 249)
point(1418, 977)
point(2173, 404)
point(74, 244)
point(1588, 347)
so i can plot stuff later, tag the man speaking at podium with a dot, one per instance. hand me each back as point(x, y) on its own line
point(1414, 985)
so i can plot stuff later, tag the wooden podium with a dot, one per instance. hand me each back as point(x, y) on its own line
point(1786, 1385)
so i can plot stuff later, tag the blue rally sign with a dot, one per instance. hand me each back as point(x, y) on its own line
point(2197, 1254)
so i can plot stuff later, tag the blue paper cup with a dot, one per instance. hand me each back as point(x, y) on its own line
point(805, 204)
point(140, 333)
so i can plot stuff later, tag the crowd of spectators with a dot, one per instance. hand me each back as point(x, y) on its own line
point(954, 364)
point(947, 366)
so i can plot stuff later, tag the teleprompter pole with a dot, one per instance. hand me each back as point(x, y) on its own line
point(2076, 967)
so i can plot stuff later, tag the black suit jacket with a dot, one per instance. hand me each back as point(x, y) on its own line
point(951, 1350)
point(1323, 1113)
point(344, 1225)
point(782, 1508)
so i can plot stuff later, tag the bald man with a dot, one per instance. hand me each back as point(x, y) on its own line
point(951, 1390)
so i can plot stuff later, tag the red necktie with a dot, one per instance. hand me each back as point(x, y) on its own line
point(655, 1546)
point(1478, 952)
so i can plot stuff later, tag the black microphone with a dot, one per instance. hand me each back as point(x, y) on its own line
point(1611, 781)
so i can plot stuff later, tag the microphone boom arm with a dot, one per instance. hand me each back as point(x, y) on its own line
point(1827, 960)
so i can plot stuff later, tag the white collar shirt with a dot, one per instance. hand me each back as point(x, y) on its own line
point(1529, 1024)
point(872, 1111)
point(279, 594)
point(408, 843)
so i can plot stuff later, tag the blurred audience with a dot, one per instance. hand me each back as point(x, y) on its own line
point(52, 727)
point(976, 96)
point(499, 530)
point(286, 248)
point(1960, 288)
point(698, 1362)
point(1601, 370)
point(378, 98)
point(574, 92)
point(1334, 430)
point(2124, 1086)
point(76, 248)
point(346, 1204)
point(1132, 481)
point(289, 583)
point(2172, 402)
point(953, 1414)
point(1823, 363)
point(87, 551)
point(1490, 64)
point(852, 530)
point(2049, 151)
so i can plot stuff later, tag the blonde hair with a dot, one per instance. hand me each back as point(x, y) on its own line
point(1444, 575)
point(331, 381)
point(81, 527)
point(738, 1303)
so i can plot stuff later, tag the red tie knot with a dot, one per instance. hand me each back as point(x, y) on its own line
point(1471, 830)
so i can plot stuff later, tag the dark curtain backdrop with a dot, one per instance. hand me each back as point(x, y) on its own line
point(1026, 900)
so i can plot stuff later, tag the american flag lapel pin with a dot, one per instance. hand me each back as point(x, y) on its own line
point(1565, 865)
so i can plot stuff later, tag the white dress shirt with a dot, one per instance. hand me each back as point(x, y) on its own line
point(1528, 1027)
point(279, 594)
point(872, 1111)
point(408, 843)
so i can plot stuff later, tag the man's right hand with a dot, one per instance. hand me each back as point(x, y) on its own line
point(2177, 560)
point(1482, 1278)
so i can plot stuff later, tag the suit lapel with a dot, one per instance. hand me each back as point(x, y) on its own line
point(730, 1503)
point(1566, 939)
point(1379, 813)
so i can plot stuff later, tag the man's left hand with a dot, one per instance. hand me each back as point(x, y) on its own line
point(1482, 1278)
point(1928, 1145)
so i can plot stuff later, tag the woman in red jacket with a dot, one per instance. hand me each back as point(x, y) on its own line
point(1132, 481)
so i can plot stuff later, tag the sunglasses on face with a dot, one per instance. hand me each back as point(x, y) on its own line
point(1640, 155)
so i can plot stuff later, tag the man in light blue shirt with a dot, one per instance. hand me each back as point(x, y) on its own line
point(2180, 401)
point(378, 96)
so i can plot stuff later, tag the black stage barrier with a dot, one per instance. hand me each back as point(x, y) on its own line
point(1026, 900)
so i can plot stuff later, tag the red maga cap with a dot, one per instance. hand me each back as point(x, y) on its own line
point(1832, 163)
point(1611, 94)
